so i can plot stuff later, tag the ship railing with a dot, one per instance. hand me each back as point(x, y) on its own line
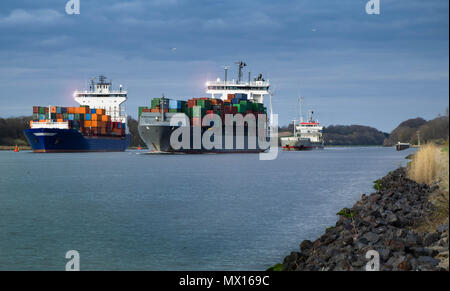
point(234, 82)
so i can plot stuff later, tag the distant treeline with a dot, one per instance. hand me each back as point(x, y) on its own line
point(434, 130)
point(353, 135)
point(348, 135)
point(11, 130)
point(134, 133)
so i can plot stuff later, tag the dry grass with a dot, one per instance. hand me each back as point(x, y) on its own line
point(423, 168)
point(430, 166)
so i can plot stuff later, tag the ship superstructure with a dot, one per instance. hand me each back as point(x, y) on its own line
point(255, 89)
point(101, 96)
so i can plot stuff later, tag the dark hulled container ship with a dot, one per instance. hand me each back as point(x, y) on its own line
point(227, 98)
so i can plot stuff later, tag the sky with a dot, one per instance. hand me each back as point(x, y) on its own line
point(349, 66)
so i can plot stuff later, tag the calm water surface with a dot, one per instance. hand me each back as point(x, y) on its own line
point(132, 211)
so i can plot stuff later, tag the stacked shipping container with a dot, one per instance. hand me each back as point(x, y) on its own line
point(87, 121)
point(197, 108)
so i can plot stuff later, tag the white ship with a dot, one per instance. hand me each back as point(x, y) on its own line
point(307, 135)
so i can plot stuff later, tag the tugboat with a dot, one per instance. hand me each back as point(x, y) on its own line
point(307, 135)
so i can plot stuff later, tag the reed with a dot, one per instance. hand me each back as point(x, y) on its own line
point(423, 168)
point(430, 166)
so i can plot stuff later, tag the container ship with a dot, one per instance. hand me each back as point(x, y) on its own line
point(97, 125)
point(226, 98)
point(307, 135)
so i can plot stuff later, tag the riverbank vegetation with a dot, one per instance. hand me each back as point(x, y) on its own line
point(430, 166)
point(11, 131)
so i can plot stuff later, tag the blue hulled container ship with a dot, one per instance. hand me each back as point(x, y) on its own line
point(97, 125)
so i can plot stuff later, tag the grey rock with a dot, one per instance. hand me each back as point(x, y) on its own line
point(430, 238)
point(443, 227)
point(306, 245)
point(428, 260)
point(384, 254)
point(371, 237)
point(392, 219)
point(418, 251)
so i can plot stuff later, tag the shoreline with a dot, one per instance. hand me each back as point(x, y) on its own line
point(11, 148)
point(385, 221)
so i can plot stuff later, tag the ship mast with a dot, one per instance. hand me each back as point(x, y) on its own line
point(300, 101)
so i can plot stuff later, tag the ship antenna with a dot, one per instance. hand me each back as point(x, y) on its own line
point(226, 74)
point(241, 65)
point(300, 101)
point(92, 84)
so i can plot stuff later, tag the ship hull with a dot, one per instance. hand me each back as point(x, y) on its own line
point(299, 144)
point(45, 140)
point(157, 138)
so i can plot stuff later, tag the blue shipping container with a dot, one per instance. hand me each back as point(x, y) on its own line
point(71, 116)
point(88, 116)
point(241, 96)
point(173, 104)
point(93, 111)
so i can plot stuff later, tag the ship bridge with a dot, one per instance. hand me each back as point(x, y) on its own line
point(100, 95)
point(255, 89)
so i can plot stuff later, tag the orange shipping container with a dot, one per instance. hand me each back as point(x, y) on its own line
point(94, 117)
point(83, 110)
point(87, 123)
point(53, 109)
point(60, 120)
point(100, 111)
point(106, 118)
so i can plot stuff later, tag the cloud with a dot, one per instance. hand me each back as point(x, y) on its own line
point(39, 16)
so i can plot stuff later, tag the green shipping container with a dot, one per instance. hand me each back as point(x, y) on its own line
point(156, 102)
point(141, 109)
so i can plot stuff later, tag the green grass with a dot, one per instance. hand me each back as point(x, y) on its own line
point(377, 185)
point(276, 267)
point(346, 213)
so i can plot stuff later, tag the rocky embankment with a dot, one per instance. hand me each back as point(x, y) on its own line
point(383, 221)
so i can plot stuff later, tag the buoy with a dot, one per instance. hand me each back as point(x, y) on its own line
point(139, 148)
point(16, 149)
